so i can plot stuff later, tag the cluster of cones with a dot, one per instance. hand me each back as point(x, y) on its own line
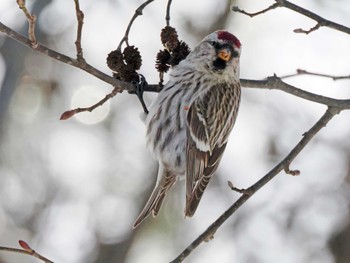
point(125, 64)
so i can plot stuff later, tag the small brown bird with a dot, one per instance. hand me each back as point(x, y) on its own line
point(190, 120)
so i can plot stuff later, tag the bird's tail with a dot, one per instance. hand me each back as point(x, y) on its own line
point(164, 182)
point(193, 200)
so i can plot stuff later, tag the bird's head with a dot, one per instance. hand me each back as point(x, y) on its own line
point(218, 53)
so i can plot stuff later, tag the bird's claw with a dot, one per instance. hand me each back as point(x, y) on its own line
point(139, 89)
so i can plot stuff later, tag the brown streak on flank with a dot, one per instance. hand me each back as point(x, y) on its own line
point(158, 136)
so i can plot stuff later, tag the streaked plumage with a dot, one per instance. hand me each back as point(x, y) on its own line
point(190, 120)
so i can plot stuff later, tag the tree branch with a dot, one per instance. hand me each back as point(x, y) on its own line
point(321, 22)
point(270, 83)
point(65, 59)
point(284, 164)
point(276, 83)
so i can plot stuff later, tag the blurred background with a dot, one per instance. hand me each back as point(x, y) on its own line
point(72, 189)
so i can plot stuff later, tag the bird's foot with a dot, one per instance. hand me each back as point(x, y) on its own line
point(139, 89)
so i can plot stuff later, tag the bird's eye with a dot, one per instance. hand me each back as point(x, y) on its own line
point(234, 54)
point(213, 43)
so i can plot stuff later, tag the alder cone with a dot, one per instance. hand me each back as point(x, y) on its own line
point(169, 37)
point(115, 60)
point(132, 57)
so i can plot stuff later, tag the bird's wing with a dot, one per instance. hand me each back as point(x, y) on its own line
point(197, 150)
point(204, 152)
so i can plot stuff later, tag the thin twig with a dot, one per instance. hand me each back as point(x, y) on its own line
point(238, 190)
point(237, 9)
point(305, 72)
point(80, 18)
point(68, 114)
point(27, 251)
point(31, 21)
point(210, 231)
point(167, 17)
point(138, 12)
point(312, 29)
point(321, 22)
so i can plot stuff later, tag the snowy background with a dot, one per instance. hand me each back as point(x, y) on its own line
point(72, 189)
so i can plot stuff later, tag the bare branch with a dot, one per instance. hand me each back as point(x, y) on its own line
point(31, 21)
point(321, 22)
point(138, 12)
point(67, 60)
point(67, 114)
point(270, 83)
point(210, 231)
point(237, 9)
point(276, 83)
point(27, 250)
point(305, 72)
point(80, 18)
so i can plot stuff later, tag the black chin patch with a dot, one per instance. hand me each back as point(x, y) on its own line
point(219, 64)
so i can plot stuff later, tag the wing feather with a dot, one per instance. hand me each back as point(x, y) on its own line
point(208, 126)
point(196, 159)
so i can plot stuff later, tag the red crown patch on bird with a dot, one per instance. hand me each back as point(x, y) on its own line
point(226, 36)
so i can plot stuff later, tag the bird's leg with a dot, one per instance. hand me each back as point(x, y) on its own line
point(139, 89)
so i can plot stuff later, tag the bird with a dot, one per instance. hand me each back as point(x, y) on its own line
point(190, 120)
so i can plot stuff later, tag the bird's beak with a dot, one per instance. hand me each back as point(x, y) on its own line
point(224, 54)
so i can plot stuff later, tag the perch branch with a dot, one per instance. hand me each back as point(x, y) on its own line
point(80, 19)
point(270, 83)
point(247, 193)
